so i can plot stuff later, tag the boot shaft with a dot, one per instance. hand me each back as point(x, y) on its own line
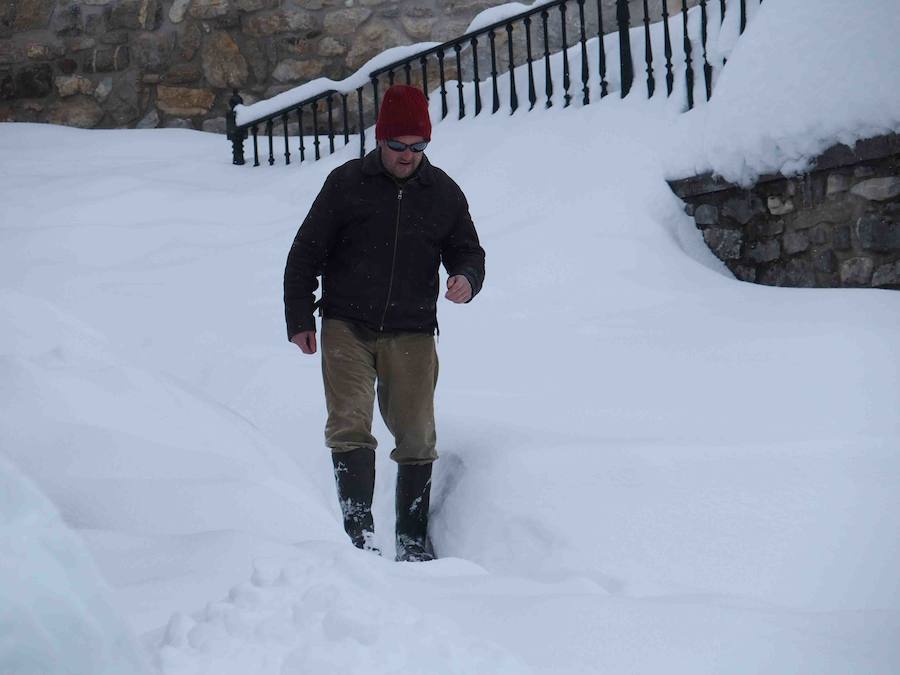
point(354, 474)
point(413, 500)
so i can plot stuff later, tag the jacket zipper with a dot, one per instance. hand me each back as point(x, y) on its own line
point(394, 259)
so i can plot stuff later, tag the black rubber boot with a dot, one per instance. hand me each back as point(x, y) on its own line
point(413, 500)
point(354, 474)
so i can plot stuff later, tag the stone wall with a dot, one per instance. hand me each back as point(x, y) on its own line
point(836, 226)
point(148, 63)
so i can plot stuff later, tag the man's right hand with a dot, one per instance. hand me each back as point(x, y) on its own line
point(306, 341)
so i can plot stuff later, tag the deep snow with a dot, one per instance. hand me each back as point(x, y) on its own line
point(647, 466)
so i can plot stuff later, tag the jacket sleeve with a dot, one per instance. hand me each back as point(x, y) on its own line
point(462, 252)
point(308, 255)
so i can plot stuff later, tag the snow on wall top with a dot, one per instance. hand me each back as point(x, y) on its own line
point(804, 76)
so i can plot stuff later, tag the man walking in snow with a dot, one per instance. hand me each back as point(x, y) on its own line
point(377, 233)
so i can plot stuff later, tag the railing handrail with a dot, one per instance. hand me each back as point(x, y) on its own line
point(291, 108)
point(450, 44)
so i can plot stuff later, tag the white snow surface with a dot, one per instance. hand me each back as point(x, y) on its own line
point(647, 466)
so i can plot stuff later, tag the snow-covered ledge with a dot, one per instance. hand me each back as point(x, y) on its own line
point(836, 225)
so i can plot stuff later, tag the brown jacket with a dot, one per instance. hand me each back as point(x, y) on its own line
point(378, 244)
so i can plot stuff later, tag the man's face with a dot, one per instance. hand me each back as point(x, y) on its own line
point(401, 164)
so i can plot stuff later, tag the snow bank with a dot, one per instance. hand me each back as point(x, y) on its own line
point(56, 616)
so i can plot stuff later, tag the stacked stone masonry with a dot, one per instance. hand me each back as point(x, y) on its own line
point(173, 63)
point(836, 226)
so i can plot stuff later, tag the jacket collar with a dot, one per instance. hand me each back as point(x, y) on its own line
point(372, 166)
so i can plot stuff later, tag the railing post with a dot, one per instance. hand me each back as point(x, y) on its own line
point(585, 74)
point(601, 63)
point(287, 138)
point(492, 38)
point(330, 103)
point(626, 68)
point(457, 48)
point(648, 52)
point(236, 137)
point(361, 123)
point(513, 96)
point(704, 36)
point(424, 65)
point(302, 142)
point(346, 121)
point(667, 45)
point(444, 108)
point(548, 75)
point(476, 80)
point(567, 82)
point(689, 69)
point(532, 93)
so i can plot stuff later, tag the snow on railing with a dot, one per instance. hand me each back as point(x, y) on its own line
point(603, 62)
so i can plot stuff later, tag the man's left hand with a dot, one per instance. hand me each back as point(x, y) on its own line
point(459, 290)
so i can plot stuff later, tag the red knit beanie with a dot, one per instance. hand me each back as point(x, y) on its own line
point(404, 112)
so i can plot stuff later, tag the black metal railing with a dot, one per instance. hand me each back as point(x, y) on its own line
point(467, 62)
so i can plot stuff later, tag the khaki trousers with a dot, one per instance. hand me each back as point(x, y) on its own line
point(405, 367)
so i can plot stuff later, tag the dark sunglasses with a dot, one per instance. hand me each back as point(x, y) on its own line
point(397, 146)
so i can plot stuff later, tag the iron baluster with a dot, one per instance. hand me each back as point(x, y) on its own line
point(670, 74)
point(315, 109)
point(457, 48)
point(407, 72)
point(648, 52)
point(391, 78)
point(626, 69)
point(443, 84)
point(743, 16)
point(604, 86)
point(375, 94)
point(492, 37)
point(476, 80)
point(424, 64)
point(287, 150)
point(513, 96)
point(346, 122)
point(548, 77)
point(330, 124)
point(255, 130)
point(361, 122)
point(271, 141)
point(689, 71)
point(585, 75)
point(707, 69)
point(302, 144)
point(236, 137)
point(565, 54)
point(532, 94)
